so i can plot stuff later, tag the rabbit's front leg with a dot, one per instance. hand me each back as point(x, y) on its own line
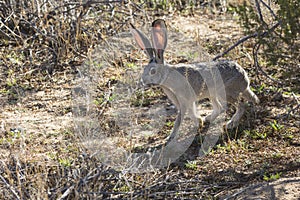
point(172, 97)
point(178, 120)
point(176, 127)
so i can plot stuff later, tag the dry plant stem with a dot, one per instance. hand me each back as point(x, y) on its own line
point(269, 8)
point(10, 187)
point(244, 39)
point(259, 12)
point(87, 4)
point(67, 192)
point(11, 31)
point(295, 97)
point(257, 65)
point(293, 109)
point(254, 35)
point(255, 49)
point(260, 15)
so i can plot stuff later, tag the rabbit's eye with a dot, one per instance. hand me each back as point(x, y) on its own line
point(152, 71)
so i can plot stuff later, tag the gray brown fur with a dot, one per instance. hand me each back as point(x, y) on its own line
point(221, 81)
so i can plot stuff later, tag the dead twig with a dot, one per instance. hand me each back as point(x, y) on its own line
point(269, 8)
point(9, 186)
point(257, 65)
point(67, 192)
point(11, 31)
point(295, 108)
point(261, 18)
point(257, 35)
point(244, 39)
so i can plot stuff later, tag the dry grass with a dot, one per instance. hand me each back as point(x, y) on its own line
point(43, 46)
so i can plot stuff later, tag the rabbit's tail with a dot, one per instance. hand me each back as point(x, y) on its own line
point(250, 96)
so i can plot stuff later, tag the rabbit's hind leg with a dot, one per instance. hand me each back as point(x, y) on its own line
point(250, 96)
point(234, 121)
point(217, 109)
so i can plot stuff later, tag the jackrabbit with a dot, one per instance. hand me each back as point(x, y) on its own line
point(207, 79)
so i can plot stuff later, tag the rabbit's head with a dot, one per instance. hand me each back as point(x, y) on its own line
point(156, 71)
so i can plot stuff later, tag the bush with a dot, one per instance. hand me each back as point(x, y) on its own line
point(277, 25)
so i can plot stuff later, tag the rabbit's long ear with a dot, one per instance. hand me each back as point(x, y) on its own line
point(159, 39)
point(142, 41)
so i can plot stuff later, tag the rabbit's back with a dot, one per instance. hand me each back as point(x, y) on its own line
point(209, 77)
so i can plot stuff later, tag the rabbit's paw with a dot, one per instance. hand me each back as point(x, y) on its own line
point(231, 124)
point(209, 118)
point(201, 123)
